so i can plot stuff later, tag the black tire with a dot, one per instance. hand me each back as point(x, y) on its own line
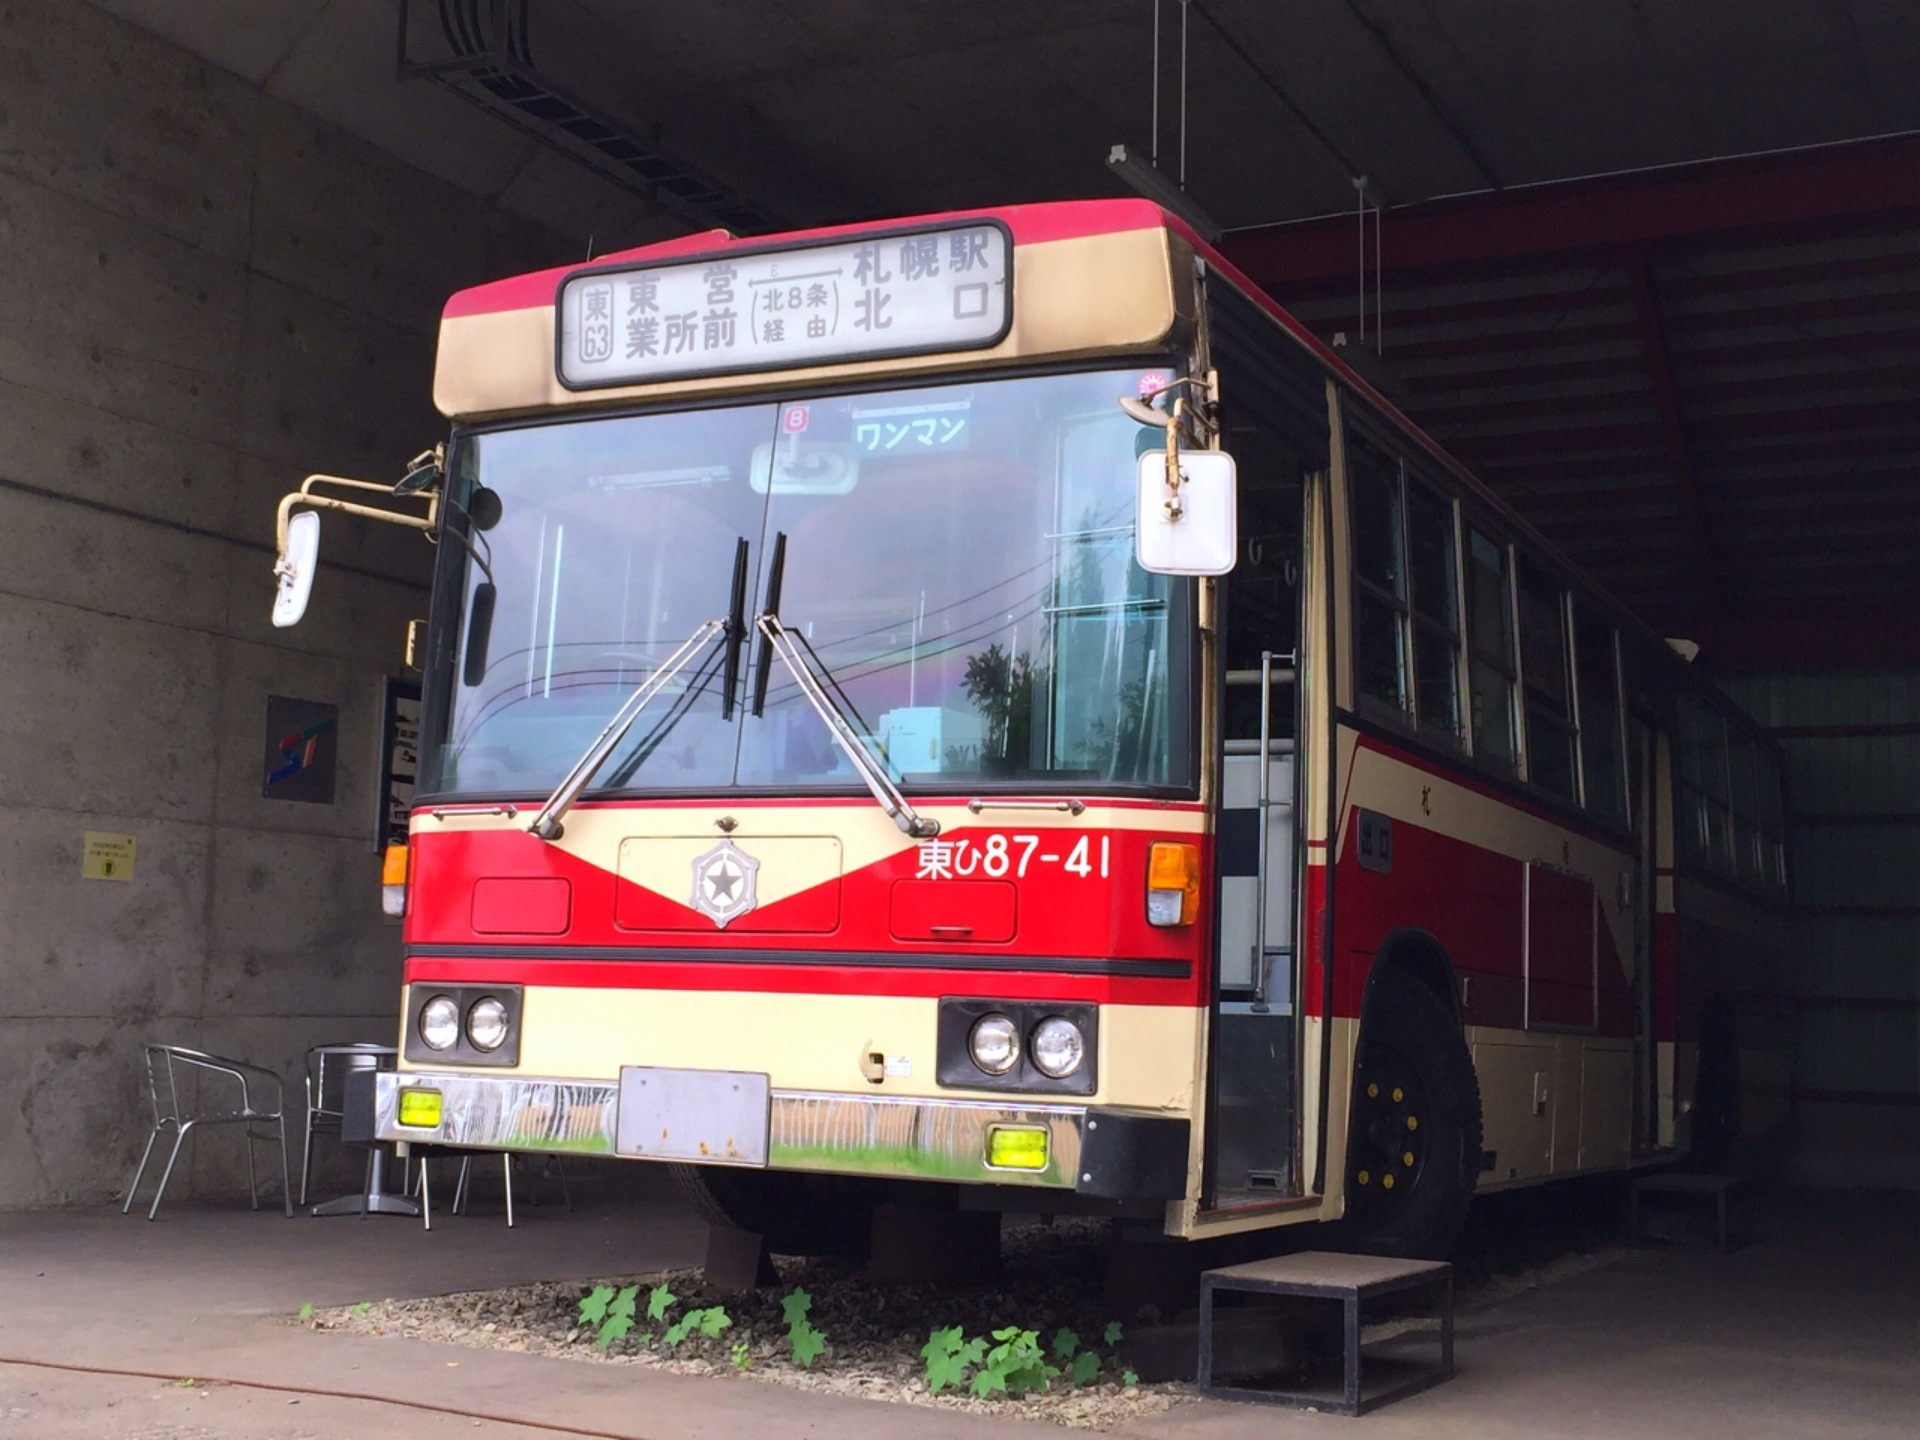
point(1413, 1137)
point(798, 1214)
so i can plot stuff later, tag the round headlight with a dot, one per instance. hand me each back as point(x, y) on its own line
point(1058, 1047)
point(994, 1044)
point(440, 1022)
point(487, 1024)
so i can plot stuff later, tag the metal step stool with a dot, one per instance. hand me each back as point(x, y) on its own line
point(1349, 1280)
point(1721, 1189)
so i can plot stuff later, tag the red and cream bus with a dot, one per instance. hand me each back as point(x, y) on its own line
point(989, 704)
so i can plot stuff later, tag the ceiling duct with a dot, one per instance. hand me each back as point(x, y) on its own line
point(484, 56)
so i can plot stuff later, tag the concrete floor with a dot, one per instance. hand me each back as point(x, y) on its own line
point(1813, 1331)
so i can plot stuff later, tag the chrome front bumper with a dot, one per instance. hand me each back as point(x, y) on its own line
point(840, 1134)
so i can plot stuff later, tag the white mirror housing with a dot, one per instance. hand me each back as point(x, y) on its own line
point(1193, 530)
point(294, 569)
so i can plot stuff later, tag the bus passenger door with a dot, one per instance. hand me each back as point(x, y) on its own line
point(1273, 419)
point(1253, 1120)
point(1254, 1012)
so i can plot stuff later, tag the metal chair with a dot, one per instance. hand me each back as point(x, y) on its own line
point(327, 1069)
point(191, 1087)
point(459, 1205)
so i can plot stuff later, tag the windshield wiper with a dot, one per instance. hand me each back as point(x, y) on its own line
point(546, 824)
point(872, 768)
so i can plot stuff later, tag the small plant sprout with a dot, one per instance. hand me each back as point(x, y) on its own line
point(1129, 1379)
point(807, 1342)
point(795, 1307)
point(610, 1311)
point(948, 1354)
point(1015, 1366)
point(742, 1356)
point(1113, 1333)
point(593, 1305)
point(709, 1322)
point(306, 1311)
point(659, 1300)
point(1085, 1366)
point(619, 1316)
point(1065, 1344)
point(363, 1307)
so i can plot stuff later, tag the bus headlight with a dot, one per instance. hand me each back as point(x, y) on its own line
point(1058, 1047)
point(440, 1022)
point(994, 1044)
point(487, 1024)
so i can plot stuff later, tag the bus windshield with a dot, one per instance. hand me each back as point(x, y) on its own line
point(957, 559)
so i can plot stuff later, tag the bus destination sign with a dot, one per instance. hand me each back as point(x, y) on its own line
point(894, 294)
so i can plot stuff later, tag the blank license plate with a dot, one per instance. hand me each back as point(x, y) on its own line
point(704, 1116)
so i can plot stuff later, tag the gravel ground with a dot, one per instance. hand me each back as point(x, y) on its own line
point(1053, 1278)
point(873, 1336)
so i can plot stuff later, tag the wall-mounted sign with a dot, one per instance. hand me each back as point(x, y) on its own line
point(106, 857)
point(904, 293)
point(399, 759)
point(303, 744)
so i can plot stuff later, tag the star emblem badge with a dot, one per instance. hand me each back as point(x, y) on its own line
point(723, 883)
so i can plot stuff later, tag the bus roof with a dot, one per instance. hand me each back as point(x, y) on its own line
point(1029, 225)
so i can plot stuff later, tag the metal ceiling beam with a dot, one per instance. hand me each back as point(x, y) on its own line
point(1822, 183)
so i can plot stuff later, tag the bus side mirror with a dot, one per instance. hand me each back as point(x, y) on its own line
point(295, 568)
point(1189, 528)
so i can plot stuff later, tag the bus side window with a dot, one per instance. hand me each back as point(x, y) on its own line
point(1543, 666)
point(1490, 668)
point(1743, 760)
point(1704, 787)
point(1599, 699)
point(1773, 838)
point(1433, 566)
point(1380, 577)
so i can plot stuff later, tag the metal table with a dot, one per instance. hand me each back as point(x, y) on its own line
point(376, 1199)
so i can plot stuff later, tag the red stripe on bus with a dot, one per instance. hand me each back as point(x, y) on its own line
point(1030, 224)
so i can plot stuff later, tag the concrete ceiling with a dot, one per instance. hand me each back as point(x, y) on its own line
point(839, 109)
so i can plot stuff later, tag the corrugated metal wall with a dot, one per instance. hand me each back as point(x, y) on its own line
point(1852, 744)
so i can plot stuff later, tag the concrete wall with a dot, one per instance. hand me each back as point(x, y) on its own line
point(204, 296)
point(1850, 995)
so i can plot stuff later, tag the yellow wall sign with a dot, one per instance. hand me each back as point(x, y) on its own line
point(107, 857)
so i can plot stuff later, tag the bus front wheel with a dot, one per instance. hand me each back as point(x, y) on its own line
point(1413, 1135)
point(796, 1214)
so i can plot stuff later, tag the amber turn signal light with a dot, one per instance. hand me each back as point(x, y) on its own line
point(393, 880)
point(1173, 883)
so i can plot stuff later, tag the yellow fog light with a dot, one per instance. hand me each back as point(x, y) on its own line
point(420, 1109)
point(1017, 1147)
